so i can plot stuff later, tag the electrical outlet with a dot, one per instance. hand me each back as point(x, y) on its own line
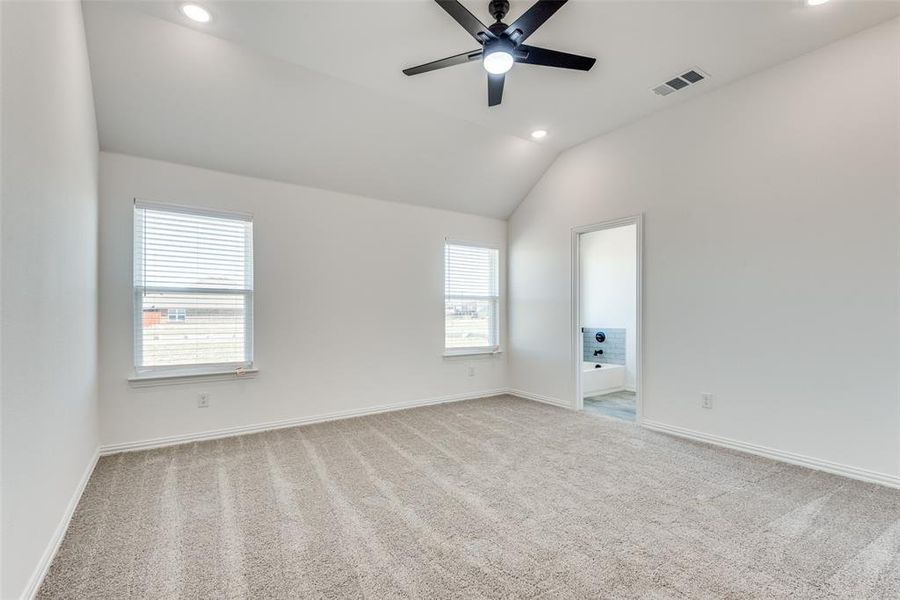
point(203, 400)
point(706, 401)
point(471, 371)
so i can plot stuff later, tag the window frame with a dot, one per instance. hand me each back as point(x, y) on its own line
point(475, 350)
point(168, 372)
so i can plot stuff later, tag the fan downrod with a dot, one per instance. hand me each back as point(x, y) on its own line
point(498, 9)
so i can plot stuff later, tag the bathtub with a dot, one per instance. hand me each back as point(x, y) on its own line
point(608, 378)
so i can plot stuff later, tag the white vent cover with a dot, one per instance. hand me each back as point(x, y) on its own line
point(687, 78)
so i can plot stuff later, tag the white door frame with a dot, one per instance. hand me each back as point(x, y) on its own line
point(577, 337)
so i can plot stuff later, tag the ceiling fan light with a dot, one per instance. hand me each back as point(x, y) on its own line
point(498, 63)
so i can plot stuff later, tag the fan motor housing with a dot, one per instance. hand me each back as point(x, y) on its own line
point(497, 28)
point(501, 45)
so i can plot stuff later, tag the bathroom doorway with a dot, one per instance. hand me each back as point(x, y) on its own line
point(606, 301)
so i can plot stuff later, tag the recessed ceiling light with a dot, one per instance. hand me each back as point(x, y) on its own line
point(539, 133)
point(815, 2)
point(195, 12)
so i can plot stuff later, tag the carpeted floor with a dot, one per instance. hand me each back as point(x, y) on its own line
point(494, 498)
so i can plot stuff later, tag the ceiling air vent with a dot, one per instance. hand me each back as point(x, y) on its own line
point(684, 80)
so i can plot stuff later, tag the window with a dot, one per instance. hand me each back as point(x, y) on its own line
point(193, 290)
point(471, 299)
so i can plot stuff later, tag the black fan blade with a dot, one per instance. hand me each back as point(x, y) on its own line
point(444, 62)
point(533, 18)
point(495, 88)
point(469, 21)
point(553, 58)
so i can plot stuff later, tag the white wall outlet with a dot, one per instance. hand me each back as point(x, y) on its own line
point(471, 371)
point(706, 400)
point(203, 400)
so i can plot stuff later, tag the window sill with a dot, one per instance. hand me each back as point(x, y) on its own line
point(472, 352)
point(173, 377)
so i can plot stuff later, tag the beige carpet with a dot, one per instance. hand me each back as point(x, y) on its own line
point(494, 498)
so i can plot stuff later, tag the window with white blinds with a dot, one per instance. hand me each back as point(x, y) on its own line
point(193, 289)
point(471, 298)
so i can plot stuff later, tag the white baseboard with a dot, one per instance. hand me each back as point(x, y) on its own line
point(539, 398)
point(779, 455)
point(37, 577)
point(187, 438)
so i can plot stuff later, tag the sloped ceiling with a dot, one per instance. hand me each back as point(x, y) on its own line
point(312, 93)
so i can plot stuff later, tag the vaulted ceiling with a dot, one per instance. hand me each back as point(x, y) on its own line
point(312, 92)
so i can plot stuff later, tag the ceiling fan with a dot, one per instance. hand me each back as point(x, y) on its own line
point(502, 44)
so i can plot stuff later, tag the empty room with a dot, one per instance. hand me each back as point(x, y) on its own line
point(438, 299)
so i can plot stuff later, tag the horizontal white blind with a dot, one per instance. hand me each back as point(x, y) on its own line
point(471, 297)
point(193, 283)
point(184, 250)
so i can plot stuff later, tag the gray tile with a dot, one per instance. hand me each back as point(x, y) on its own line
point(621, 405)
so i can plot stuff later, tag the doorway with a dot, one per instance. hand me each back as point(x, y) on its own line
point(606, 332)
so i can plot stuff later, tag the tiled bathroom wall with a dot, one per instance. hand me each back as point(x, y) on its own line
point(613, 347)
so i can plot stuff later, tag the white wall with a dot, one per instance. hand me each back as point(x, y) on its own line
point(771, 256)
point(49, 278)
point(608, 286)
point(348, 303)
